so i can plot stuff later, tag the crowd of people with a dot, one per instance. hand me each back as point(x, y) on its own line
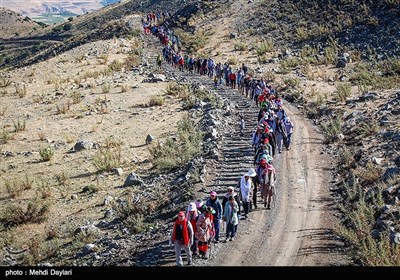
point(195, 230)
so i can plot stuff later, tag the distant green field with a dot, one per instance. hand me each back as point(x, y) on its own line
point(51, 18)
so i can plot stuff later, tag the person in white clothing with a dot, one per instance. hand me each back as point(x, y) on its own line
point(246, 187)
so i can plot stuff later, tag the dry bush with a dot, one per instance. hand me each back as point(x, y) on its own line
point(360, 208)
point(64, 107)
point(180, 150)
point(132, 60)
point(331, 129)
point(34, 212)
point(6, 136)
point(156, 100)
point(76, 97)
point(264, 47)
point(107, 158)
point(62, 179)
point(105, 88)
point(343, 91)
point(19, 125)
point(369, 174)
point(368, 128)
point(20, 90)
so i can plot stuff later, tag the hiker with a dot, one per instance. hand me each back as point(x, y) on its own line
point(289, 131)
point(255, 182)
point(280, 134)
point(246, 188)
point(215, 82)
point(231, 192)
point(267, 183)
point(231, 218)
point(199, 205)
point(182, 238)
point(192, 214)
point(280, 112)
point(242, 125)
point(159, 61)
point(204, 231)
point(214, 202)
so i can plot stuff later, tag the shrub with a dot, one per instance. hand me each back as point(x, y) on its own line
point(5, 136)
point(179, 150)
point(124, 88)
point(16, 187)
point(67, 26)
point(264, 47)
point(91, 188)
point(343, 91)
point(232, 61)
point(240, 47)
point(360, 211)
point(19, 125)
point(331, 129)
point(107, 158)
point(156, 100)
point(35, 212)
point(76, 97)
point(46, 153)
point(368, 128)
point(62, 179)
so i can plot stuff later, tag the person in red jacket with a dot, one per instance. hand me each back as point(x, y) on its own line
point(182, 238)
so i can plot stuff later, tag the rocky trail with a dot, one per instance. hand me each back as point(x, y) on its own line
point(298, 228)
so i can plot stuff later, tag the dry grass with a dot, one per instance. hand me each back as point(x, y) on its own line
point(360, 211)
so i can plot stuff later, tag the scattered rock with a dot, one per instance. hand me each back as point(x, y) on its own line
point(118, 171)
point(377, 160)
point(149, 138)
point(83, 145)
point(390, 172)
point(88, 248)
point(133, 180)
point(233, 35)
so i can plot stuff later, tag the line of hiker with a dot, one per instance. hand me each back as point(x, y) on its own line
point(200, 226)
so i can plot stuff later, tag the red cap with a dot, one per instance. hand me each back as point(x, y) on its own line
point(181, 214)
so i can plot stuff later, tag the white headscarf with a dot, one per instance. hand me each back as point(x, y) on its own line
point(245, 188)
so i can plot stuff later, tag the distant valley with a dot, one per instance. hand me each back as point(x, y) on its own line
point(54, 11)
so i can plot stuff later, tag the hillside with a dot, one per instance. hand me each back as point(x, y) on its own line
point(79, 99)
point(13, 25)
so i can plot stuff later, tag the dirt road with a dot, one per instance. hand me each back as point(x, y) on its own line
point(294, 231)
